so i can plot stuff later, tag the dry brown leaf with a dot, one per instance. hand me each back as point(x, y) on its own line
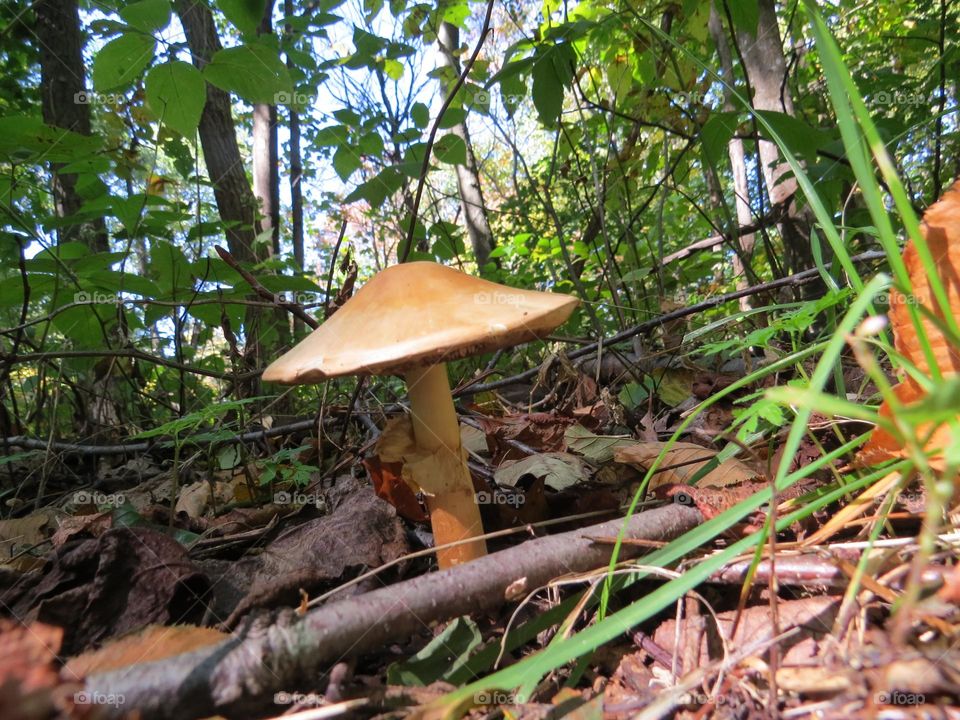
point(682, 462)
point(20, 534)
point(941, 230)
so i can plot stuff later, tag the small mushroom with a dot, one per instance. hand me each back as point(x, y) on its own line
point(409, 320)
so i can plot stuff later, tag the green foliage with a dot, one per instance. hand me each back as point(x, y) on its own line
point(176, 94)
point(122, 60)
point(253, 71)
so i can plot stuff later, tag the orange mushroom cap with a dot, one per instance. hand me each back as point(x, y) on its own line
point(419, 314)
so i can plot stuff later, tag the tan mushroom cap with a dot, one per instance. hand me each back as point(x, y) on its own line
point(419, 314)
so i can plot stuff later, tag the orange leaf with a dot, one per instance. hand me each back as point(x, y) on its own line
point(941, 230)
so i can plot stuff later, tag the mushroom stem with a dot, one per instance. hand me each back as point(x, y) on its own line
point(454, 514)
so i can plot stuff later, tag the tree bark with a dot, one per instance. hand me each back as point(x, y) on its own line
point(266, 174)
point(468, 175)
point(236, 202)
point(766, 69)
point(738, 165)
point(65, 104)
point(296, 177)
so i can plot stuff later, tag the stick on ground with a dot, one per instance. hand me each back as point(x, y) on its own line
point(240, 676)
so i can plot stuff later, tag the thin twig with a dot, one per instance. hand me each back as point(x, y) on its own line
point(293, 308)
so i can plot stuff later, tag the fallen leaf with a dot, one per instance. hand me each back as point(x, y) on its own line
point(21, 534)
point(941, 230)
point(543, 432)
point(559, 471)
point(122, 581)
point(597, 449)
point(682, 462)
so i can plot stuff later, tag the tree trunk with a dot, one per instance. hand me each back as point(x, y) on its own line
point(468, 176)
point(235, 200)
point(766, 70)
point(65, 104)
point(266, 175)
point(738, 164)
point(296, 176)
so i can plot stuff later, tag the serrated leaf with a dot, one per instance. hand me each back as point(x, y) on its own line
point(121, 60)
point(176, 93)
point(252, 71)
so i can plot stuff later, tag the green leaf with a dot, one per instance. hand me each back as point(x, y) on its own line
point(252, 71)
point(146, 15)
point(393, 68)
point(244, 15)
point(551, 74)
point(121, 60)
point(420, 115)
point(800, 138)
point(345, 162)
point(28, 138)
point(331, 135)
point(716, 133)
point(451, 149)
point(745, 15)
point(377, 189)
point(441, 657)
point(176, 93)
point(371, 144)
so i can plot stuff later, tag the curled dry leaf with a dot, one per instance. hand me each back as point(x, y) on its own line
point(941, 230)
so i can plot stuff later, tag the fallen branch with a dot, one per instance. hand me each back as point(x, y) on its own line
point(239, 677)
point(68, 448)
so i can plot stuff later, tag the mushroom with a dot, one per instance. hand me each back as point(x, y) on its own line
point(410, 320)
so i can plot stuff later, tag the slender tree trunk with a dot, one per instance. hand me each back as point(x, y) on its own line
point(468, 176)
point(65, 104)
point(738, 163)
point(766, 68)
point(236, 202)
point(296, 177)
point(266, 174)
